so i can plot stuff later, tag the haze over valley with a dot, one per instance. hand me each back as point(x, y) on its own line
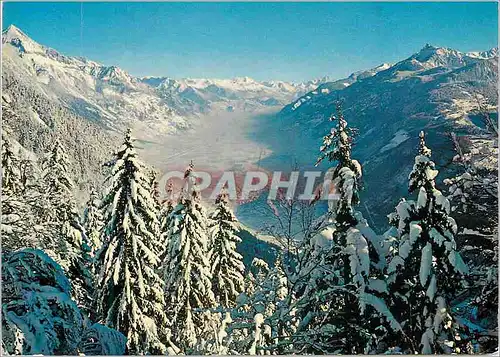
point(223, 124)
point(221, 179)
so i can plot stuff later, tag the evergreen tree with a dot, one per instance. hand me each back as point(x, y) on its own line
point(473, 196)
point(426, 269)
point(130, 293)
point(337, 312)
point(56, 203)
point(70, 248)
point(270, 299)
point(155, 191)
point(165, 214)
point(92, 222)
point(337, 147)
point(17, 220)
point(154, 226)
point(11, 176)
point(226, 264)
point(187, 269)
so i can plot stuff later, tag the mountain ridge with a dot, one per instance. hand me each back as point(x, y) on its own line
point(101, 92)
point(437, 90)
point(432, 88)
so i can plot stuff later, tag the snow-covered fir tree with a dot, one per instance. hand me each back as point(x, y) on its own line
point(154, 186)
point(70, 248)
point(57, 202)
point(130, 292)
point(166, 207)
point(187, 273)
point(226, 263)
point(11, 176)
point(17, 219)
point(473, 195)
point(154, 225)
point(426, 269)
point(271, 300)
point(337, 145)
point(338, 314)
point(92, 222)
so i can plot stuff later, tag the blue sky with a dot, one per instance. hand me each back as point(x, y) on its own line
point(288, 41)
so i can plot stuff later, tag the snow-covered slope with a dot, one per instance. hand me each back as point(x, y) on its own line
point(105, 94)
point(436, 90)
point(203, 95)
point(115, 99)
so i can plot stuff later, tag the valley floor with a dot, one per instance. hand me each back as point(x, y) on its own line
point(218, 141)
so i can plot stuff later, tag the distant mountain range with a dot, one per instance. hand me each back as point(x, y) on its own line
point(436, 90)
point(47, 94)
point(116, 99)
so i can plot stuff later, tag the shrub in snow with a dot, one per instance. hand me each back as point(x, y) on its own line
point(266, 298)
point(99, 340)
point(38, 315)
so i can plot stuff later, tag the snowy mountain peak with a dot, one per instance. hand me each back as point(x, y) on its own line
point(428, 46)
point(383, 66)
point(450, 57)
point(484, 54)
point(430, 57)
point(13, 31)
point(244, 80)
point(428, 51)
point(19, 39)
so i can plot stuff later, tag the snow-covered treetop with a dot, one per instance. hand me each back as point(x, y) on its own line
point(260, 265)
point(337, 145)
point(10, 172)
point(190, 189)
point(423, 173)
point(170, 193)
point(223, 196)
point(56, 169)
point(128, 142)
point(423, 149)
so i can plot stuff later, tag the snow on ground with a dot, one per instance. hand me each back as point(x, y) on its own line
point(218, 141)
point(400, 137)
